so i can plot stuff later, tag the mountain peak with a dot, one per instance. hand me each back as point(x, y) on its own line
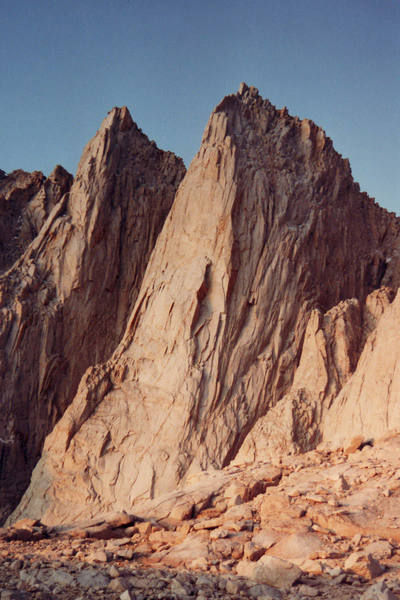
point(245, 90)
point(266, 232)
point(119, 117)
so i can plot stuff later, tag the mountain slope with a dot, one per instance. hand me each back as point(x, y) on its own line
point(266, 227)
point(66, 300)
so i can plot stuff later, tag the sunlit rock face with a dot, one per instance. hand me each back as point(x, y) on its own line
point(267, 234)
point(345, 386)
point(66, 299)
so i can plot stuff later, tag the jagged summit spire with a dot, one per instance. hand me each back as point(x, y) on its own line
point(121, 116)
point(249, 90)
point(108, 224)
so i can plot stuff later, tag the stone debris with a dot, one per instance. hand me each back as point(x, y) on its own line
point(378, 591)
point(364, 565)
point(271, 571)
point(284, 545)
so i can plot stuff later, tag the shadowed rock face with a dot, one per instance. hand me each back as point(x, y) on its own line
point(368, 404)
point(346, 383)
point(267, 227)
point(65, 302)
point(26, 200)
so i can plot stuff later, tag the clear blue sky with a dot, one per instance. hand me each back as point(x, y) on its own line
point(65, 64)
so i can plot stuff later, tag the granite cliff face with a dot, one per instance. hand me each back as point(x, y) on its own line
point(26, 200)
point(64, 303)
point(263, 276)
point(345, 385)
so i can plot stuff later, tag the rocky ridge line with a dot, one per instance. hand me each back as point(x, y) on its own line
point(267, 228)
point(65, 302)
point(322, 524)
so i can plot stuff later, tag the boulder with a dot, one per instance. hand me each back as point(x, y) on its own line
point(271, 571)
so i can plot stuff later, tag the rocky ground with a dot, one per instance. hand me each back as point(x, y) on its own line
point(322, 524)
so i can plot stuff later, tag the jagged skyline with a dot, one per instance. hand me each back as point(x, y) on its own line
point(67, 63)
point(268, 248)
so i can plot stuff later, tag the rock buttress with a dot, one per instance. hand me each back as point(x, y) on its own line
point(66, 301)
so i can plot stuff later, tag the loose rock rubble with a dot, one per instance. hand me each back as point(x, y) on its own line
point(321, 524)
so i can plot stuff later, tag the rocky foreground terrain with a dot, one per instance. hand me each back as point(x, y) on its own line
point(322, 524)
point(200, 371)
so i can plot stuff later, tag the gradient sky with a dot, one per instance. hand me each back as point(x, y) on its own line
point(65, 64)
